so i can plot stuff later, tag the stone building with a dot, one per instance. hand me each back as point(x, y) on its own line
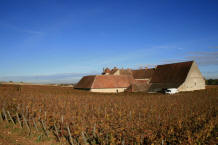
point(185, 76)
point(105, 83)
point(141, 76)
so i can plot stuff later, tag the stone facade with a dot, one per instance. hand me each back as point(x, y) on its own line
point(109, 90)
point(194, 80)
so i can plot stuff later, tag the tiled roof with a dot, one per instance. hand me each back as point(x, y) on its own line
point(171, 75)
point(143, 73)
point(139, 86)
point(86, 82)
point(112, 81)
point(105, 81)
point(125, 72)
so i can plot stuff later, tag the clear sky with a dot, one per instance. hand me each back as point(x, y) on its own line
point(61, 40)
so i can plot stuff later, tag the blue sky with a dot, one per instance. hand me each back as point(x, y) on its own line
point(61, 40)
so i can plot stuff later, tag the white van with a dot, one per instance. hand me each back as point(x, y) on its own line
point(171, 91)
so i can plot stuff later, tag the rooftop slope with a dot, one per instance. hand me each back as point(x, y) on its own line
point(85, 83)
point(143, 73)
point(171, 75)
point(105, 81)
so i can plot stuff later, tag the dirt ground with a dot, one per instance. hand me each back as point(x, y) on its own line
point(10, 135)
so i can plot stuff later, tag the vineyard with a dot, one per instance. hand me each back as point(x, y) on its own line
point(81, 117)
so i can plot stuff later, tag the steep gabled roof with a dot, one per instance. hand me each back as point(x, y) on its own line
point(171, 75)
point(86, 82)
point(105, 81)
point(112, 81)
point(143, 73)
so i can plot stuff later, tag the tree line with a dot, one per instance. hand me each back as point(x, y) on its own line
point(212, 82)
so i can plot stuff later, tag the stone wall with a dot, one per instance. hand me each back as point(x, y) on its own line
point(194, 80)
point(109, 90)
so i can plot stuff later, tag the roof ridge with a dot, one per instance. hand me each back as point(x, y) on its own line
point(177, 62)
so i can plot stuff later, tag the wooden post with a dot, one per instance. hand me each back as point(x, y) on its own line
point(11, 117)
point(25, 121)
point(45, 116)
point(5, 114)
point(130, 115)
point(105, 112)
point(57, 132)
point(1, 116)
point(18, 119)
point(35, 125)
point(26, 112)
point(62, 119)
point(94, 130)
point(84, 139)
point(40, 113)
point(162, 142)
point(123, 142)
point(70, 137)
point(44, 127)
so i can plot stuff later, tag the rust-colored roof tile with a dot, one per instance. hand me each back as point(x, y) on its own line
point(174, 74)
point(86, 82)
point(112, 81)
point(125, 72)
point(143, 73)
point(105, 81)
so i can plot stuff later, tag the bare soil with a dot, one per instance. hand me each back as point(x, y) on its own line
point(10, 135)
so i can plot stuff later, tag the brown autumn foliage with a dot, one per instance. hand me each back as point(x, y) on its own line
point(125, 118)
